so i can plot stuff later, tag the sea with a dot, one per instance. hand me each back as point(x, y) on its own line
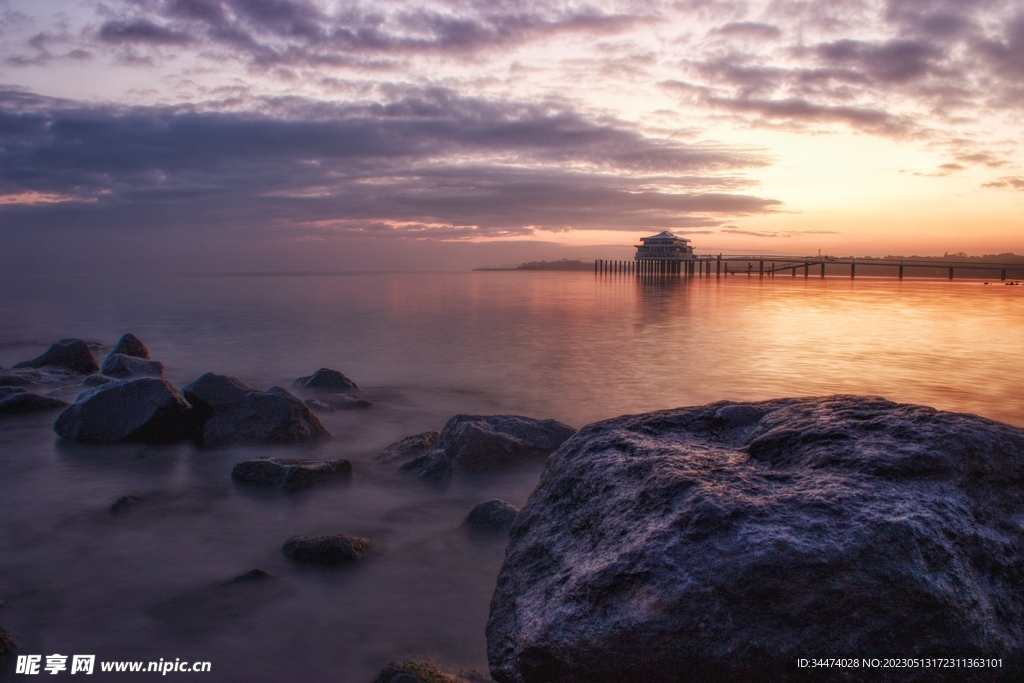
point(577, 347)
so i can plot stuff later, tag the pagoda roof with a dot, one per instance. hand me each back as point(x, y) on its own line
point(665, 235)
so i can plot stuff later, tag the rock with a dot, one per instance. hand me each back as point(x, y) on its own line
point(6, 391)
point(723, 542)
point(124, 504)
point(23, 402)
point(72, 354)
point(219, 605)
point(489, 443)
point(491, 517)
point(96, 380)
point(409, 447)
point(121, 366)
point(424, 672)
point(290, 475)
point(130, 345)
point(326, 550)
point(337, 402)
point(234, 412)
point(142, 410)
point(8, 642)
point(325, 378)
point(48, 376)
point(433, 466)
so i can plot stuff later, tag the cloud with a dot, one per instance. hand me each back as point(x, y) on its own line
point(749, 29)
point(426, 164)
point(1007, 183)
point(141, 31)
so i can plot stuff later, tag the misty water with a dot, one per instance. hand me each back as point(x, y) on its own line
point(423, 347)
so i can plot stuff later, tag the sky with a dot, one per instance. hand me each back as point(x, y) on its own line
point(198, 135)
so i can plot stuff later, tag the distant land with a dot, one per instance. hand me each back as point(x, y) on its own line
point(561, 264)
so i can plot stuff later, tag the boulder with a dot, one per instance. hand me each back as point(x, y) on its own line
point(722, 543)
point(130, 345)
point(491, 517)
point(489, 443)
point(409, 447)
point(290, 475)
point(144, 410)
point(234, 412)
point(326, 379)
point(327, 551)
point(122, 366)
point(48, 376)
point(96, 380)
point(425, 672)
point(23, 402)
point(72, 354)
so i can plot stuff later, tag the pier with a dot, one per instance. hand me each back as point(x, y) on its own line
point(762, 266)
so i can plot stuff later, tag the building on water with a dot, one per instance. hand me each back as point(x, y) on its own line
point(664, 247)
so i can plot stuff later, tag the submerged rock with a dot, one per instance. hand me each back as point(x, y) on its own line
point(124, 504)
point(19, 403)
point(234, 412)
point(420, 671)
point(325, 378)
point(96, 380)
point(290, 474)
point(337, 402)
point(121, 366)
point(722, 543)
point(327, 551)
point(489, 443)
point(219, 605)
point(142, 410)
point(409, 447)
point(71, 354)
point(130, 345)
point(8, 642)
point(491, 517)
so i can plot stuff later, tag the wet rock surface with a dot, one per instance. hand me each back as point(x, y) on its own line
point(290, 474)
point(70, 354)
point(120, 366)
point(409, 447)
point(491, 517)
point(722, 543)
point(326, 551)
point(125, 504)
point(419, 671)
point(326, 379)
point(232, 411)
point(20, 403)
point(488, 443)
point(142, 410)
point(130, 345)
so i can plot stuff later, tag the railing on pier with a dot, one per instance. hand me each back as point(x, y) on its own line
point(702, 265)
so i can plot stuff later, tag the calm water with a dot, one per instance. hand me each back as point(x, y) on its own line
point(423, 347)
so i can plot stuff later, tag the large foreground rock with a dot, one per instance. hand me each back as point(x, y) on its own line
point(290, 474)
point(234, 412)
point(723, 543)
point(71, 354)
point(489, 443)
point(419, 671)
point(142, 410)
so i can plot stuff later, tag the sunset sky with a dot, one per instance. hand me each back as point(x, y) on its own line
point(321, 135)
